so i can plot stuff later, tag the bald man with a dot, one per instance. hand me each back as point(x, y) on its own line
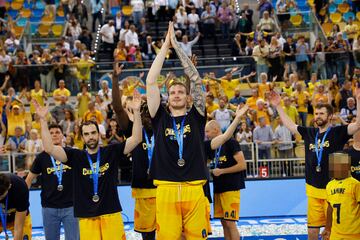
point(228, 165)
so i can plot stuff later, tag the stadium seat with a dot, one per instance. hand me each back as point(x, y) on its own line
point(332, 8)
point(47, 20)
point(343, 8)
point(21, 22)
point(35, 19)
point(16, 5)
point(358, 16)
point(25, 13)
point(342, 26)
point(44, 30)
point(337, 2)
point(114, 10)
point(34, 28)
point(311, 3)
point(37, 12)
point(40, 5)
point(296, 20)
point(18, 30)
point(60, 12)
point(59, 19)
point(127, 10)
point(12, 13)
point(327, 28)
point(357, 23)
point(7, 5)
point(335, 17)
point(348, 15)
point(57, 30)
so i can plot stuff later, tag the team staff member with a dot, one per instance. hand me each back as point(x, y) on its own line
point(95, 170)
point(56, 191)
point(14, 201)
point(354, 153)
point(179, 168)
point(343, 196)
point(319, 143)
point(143, 189)
point(228, 177)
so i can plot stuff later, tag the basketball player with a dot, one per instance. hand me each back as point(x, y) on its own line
point(14, 201)
point(56, 191)
point(343, 196)
point(228, 176)
point(95, 170)
point(319, 143)
point(143, 189)
point(179, 168)
point(354, 153)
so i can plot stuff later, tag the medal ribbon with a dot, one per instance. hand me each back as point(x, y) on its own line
point(3, 215)
point(58, 173)
point(149, 146)
point(95, 172)
point(217, 156)
point(317, 151)
point(179, 135)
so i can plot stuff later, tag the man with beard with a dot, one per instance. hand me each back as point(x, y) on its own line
point(179, 168)
point(319, 143)
point(95, 171)
point(143, 189)
point(56, 191)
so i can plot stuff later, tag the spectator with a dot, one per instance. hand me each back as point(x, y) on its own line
point(243, 26)
point(223, 115)
point(275, 70)
point(264, 5)
point(189, 5)
point(261, 87)
point(260, 53)
point(285, 147)
point(342, 57)
point(148, 51)
point(319, 58)
point(186, 45)
point(143, 30)
point(244, 137)
point(237, 99)
point(211, 106)
point(320, 96)
point(215, 5)
point(351, 30)
point(335, 30)
point(38, 94)
point(69, 141)
point(75, 29)
point(181, 19)
point(251, 101)
point(289, 50)
point(208, 18)
point(80, 12)
point(262, 135)
point(330, 57)
point(101, 106)
point(84, 66)
point(356, 51)
point(342, 95)
point(321, 9)
point(267, 26)
point(68, 123)
point(5, 61)
point(96, 7)
point(263, 111)
point(291, 110)
point(137, 11)
point(301, 100)
point(302, 60)
point(313, 84)
point(119, 21)
point(120, 52)
point(248, 14)
point(22, 71)
point(107, 33)
point(105, 92)
point(92, 112)
point(83, 99)
point(50, 8)
point(15, 117)
point(78, 141)
point(11, 43)
point(61, 92)
point(32, 146)
point(348, 112)
point(236, 46)
point(18, 140)
point(131, 37)
point(113, 133)
point(58, 112)
point(225, 16)
point(193, 20)
point(124, 31)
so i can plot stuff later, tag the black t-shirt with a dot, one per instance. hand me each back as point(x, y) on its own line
point(289, 48)
point(335, 141)
point(18, 198)
point(83, 183)
point(355, 162)
point(140, 164)
point(166, 153)
point(50, 196)
point(231, 181)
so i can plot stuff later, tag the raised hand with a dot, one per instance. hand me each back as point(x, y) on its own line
point(141, 75)
point(240, 111)
point(194, 59)
point(135, 104)
point(357, 94)
point(274, 98)
point(117, 70)
point(41, 111)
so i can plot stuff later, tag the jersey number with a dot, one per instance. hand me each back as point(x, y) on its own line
point(337, 206)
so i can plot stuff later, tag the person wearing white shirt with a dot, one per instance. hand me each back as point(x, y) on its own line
point(193, 20)
point(107, 33)
point(181, 19)
point(131, 37)
point(118, 23)
point(105, 92)
point(124, 31)
point(186, 45)
point(138, 10)
point(285, 147)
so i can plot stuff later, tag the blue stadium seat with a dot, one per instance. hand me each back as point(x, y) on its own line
point(114, 10)
point(332, 8)
point(21, 22)
point(12, 13)
point(38, 12)
point(337, 2)
point(34, 28)
point(59, 19)
point(347, 15)
point(28, 5)
point(40, 5)
point(35, 19)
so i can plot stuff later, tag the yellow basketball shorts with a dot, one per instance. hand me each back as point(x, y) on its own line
point(104, 227)
point(208, 216)
point(181, 208)
point(316, 214)
point(227, 205)
point(145, 215)
point(27, 229)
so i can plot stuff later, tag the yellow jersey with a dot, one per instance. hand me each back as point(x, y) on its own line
point(211, 108)
point(344, 197)
point(300, 98)
point(61, 92)
point(263, 88)
point(15, 121)
point(229, 87)
point(97, 114)
point(291, 112)
point(319, 97)
point(251, 102)
point(262, 114)
point(212, 86)
point(288, 90)
point(311, 87)
point(38, 96)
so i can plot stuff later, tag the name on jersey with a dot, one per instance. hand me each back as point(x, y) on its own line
point(222, 159)
point(337, 191)
point(51, 170)
point(170, 131)
point(325, 145)
point(102, 170)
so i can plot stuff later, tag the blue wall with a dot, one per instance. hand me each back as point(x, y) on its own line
point(260, 198)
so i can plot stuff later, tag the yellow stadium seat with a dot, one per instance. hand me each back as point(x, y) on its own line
point(60, 12)
point(7, 5)
point(357, 23)
point(16, 5)
point(343, 8)
point(296, 20)
point(25, 13)
point(358, 16)
point(127, 10)
point(342, 26)
point(19, 1)
point(43, 30)
point(47, 19)
point(311, 2)
point(336, 17)
point(57, 30)
point(327, 28)
point(18, 31)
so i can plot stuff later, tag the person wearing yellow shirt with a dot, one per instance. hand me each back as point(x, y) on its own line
point(263, 111)
point(313, 84)
point(210, 105)
point(37, 94)
point(92, 112)
point(290, 110)
point(61, 92)
point(15, 117)
point(263, 86)
point(228, 84)
point(351, 30)
point(84, 66)
point(287, 88)
point(251, 101)
point(301, 99)
point(343, 197)
point(212, 84)
point(84, 97)
point(342, 95)
point(320, 96)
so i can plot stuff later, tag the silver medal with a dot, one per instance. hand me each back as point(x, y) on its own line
point(181, 162)
point(60, 187)
point(95, 198)
point(318, 169)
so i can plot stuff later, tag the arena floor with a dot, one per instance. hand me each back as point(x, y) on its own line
point(266, 228)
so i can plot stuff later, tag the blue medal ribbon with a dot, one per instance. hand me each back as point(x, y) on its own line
point(179, 135)
point(3, 216)
point(150, 144)
point(57, 172)
point(95, 172)
point(317, 151)
point(217, 156)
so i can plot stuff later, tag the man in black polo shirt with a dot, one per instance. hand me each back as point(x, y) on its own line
point(14, 201)
point(319, 143)
point(56, 191)
point(95, 171)
point(354, 153)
